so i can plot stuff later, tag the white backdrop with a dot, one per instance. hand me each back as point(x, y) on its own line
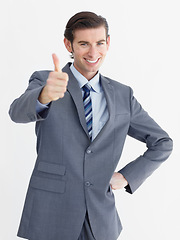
point(144, 53)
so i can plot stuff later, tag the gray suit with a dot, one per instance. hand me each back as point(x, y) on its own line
point(72, 174)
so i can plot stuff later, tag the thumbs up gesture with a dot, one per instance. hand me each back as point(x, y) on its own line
point(56, 84)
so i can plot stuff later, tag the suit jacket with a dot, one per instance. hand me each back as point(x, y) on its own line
point(71, 173)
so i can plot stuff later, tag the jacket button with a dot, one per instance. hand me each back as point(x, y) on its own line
point(87, 184)
point(89, 151)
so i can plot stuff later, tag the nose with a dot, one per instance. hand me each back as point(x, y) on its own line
point(92, 52)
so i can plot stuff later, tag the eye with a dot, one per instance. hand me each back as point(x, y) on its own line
point(84, 44)
point(100, 43)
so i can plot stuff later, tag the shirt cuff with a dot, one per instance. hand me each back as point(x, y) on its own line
point(40, 107)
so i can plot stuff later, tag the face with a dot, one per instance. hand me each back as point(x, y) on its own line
point(89, 49)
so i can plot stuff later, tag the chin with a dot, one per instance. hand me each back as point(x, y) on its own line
point(93, 70)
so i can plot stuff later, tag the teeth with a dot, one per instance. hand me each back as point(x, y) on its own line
point(91, 61)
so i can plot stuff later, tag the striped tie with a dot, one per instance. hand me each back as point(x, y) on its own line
point(88, 108)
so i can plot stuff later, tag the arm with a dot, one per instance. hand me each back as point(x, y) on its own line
point(23, 109)
point(159, 146)
point(44, 86)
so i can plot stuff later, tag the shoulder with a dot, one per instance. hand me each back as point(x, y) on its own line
point(117, 86)
point(42, 74)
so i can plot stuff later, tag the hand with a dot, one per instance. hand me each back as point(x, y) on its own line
point(118, 181)
point(56, 84)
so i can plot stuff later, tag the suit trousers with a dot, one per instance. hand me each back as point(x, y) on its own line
point(86, 232)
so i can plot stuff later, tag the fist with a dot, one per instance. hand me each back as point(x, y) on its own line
point(56, 84)
point(118, 181)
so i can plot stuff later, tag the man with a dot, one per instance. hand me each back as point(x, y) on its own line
point(82, 120)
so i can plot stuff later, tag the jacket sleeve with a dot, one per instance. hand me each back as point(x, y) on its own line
point(23, 109)
point(159, 146)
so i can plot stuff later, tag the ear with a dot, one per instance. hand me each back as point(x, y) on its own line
point(108, 42)
point(67, 44)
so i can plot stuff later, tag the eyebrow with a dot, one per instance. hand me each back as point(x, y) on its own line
point(88, 42)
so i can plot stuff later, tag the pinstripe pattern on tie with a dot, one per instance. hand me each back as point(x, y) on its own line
point(88, 107)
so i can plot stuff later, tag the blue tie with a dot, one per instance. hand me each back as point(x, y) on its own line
point(88, 108)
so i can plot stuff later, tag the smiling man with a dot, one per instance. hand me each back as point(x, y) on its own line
point(82, 120)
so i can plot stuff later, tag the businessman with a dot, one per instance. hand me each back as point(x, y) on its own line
point(82, 120)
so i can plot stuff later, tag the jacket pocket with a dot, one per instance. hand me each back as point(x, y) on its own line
point(51, 168)
point(47, 184)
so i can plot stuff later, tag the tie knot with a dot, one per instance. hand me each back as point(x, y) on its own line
point(86, 87)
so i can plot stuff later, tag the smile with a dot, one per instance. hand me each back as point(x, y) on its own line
point(90, 61)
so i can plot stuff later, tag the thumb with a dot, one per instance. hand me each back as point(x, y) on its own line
point(56, 63)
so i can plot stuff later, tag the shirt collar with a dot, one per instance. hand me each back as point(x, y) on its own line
point(94, 82)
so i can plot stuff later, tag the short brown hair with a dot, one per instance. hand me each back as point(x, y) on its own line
point(83, 20)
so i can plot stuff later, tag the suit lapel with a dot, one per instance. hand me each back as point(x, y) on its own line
point(76, 94)
point(109, 95)
point(110, 99)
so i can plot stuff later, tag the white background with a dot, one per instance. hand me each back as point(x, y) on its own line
point(144, 54)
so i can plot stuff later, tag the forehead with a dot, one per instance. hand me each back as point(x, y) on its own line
point(90, 34)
